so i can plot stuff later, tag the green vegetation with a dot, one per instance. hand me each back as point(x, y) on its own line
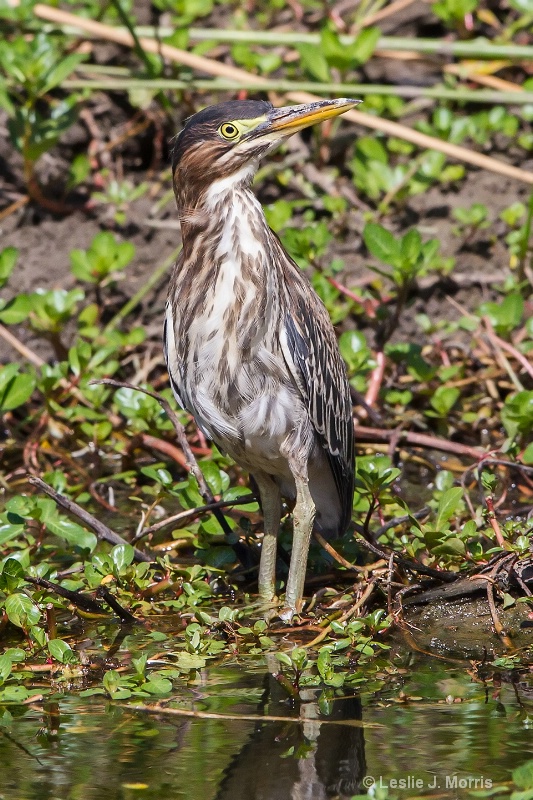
point(121, 527)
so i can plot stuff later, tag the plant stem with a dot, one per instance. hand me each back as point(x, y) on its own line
point(524, 244)
point(476, 48)
point(268, 84)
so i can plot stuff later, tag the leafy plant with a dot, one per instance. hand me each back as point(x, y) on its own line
point(33, 67)
point(103, 261)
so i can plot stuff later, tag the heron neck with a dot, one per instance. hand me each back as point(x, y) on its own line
point(224, 217)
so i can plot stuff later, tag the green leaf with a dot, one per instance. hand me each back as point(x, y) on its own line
point(452, 546)
point(15, 388)
point(411, 246)
point(523, 775)
point(187, 661)
point(381, 243)
point(527, 455)
point(122, 556)
point(60, 71)
point(8, 259)
point(16, 310)
point(72, 533)
point(6, 665)
point(517, 414)
point(444, 398)
point(314, 62)
point(62, 652)
point(504, 316)
point(284, 659)
point(448, 504)
point(21, 611)
point(12, 575)
point(157, 685)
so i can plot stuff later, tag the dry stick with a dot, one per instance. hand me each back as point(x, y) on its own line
point(244, 500)
point(496, 340)
point(22, 201)
point(21, 348)
point(211, 67)
point(185, 712)
point(102, 532)
point(376, 379)
point(335, 555)
point(413, 566)
point(392, 523)
point(363, 434)
point(498, 627)
point(121, 612)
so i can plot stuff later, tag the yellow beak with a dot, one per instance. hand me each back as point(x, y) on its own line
point(289, 119)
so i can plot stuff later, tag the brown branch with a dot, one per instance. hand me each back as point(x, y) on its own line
point(167, 448)
point(77, 599)
point(101, 531)
point(418, 440)
point(121, 612)
point(187, 712)
point(334, 554)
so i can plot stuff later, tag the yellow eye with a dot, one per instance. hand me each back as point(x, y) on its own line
point(228, 130)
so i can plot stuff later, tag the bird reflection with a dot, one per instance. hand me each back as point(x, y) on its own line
point(299, 760)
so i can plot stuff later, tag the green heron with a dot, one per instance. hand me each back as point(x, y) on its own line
point(250, 348)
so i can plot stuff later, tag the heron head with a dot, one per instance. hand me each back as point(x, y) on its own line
point(223, 140)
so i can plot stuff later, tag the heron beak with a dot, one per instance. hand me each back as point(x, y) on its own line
point(289, 119)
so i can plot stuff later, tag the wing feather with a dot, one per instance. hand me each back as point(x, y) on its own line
point(320, 374)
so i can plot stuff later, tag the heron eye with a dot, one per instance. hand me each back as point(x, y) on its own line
point(228, 130)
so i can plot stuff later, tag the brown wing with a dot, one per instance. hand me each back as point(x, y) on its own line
point(321, 378)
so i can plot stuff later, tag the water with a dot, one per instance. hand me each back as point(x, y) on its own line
point(433, 731)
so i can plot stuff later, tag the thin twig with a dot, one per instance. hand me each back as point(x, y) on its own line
point(376, 379)
point(21, 348)
point(334, 554)
point(497, 340)
point(498, 627)
point(101, 531)
point(493, 522)
point(195, 512)
point(383, 13)
point(407, 563)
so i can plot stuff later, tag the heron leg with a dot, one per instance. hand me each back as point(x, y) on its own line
point(271, 505)
point(303, 520)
